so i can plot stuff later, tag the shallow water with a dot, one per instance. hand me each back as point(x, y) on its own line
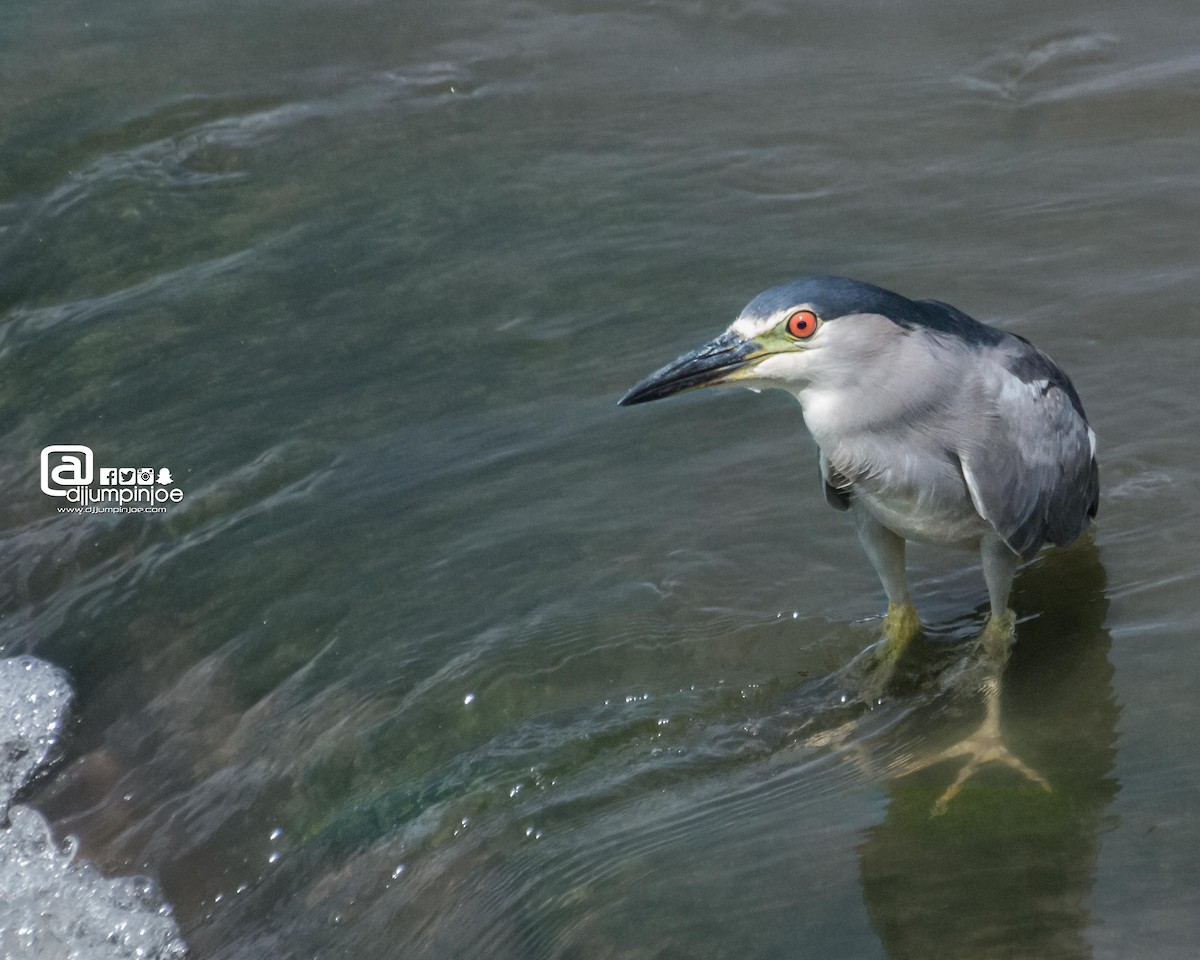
point(442, 654)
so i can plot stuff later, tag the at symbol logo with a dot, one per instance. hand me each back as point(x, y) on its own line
point(65, 465)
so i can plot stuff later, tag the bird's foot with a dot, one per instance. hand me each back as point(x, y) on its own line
point(983, 746)
point(900, 627)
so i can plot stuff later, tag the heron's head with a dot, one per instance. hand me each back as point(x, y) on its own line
point(819, 329)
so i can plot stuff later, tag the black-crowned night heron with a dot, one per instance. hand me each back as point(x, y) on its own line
point(931, 426)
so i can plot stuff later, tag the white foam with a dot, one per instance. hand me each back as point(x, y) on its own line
point(54, 906)
point(34, 697)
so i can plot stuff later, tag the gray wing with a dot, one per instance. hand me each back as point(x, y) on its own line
point(1030, 465)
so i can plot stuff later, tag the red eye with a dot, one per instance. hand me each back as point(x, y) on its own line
point(802, 324)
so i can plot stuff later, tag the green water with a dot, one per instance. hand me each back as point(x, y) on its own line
point(442, 654)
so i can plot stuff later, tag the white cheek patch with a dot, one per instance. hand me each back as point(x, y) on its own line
point(788, 367)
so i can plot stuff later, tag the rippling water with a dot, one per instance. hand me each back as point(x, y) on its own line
point(444, 655)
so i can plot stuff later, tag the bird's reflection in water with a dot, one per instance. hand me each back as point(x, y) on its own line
point(993, 864)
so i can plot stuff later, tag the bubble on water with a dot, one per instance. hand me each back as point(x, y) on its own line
point(468, 699)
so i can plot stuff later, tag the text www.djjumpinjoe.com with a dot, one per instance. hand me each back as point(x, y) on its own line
point(94, 509)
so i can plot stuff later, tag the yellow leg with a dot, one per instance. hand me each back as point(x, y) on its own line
point(900, 626)
point(997, 638)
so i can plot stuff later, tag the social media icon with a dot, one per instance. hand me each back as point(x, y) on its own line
point(165, 478)
point(65, 465)
point(108, 476)
point(145, 476)
point(126, 475)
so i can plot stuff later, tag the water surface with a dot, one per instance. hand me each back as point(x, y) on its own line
point(443, 654)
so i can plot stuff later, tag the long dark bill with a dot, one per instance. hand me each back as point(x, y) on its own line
point(705, 366)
